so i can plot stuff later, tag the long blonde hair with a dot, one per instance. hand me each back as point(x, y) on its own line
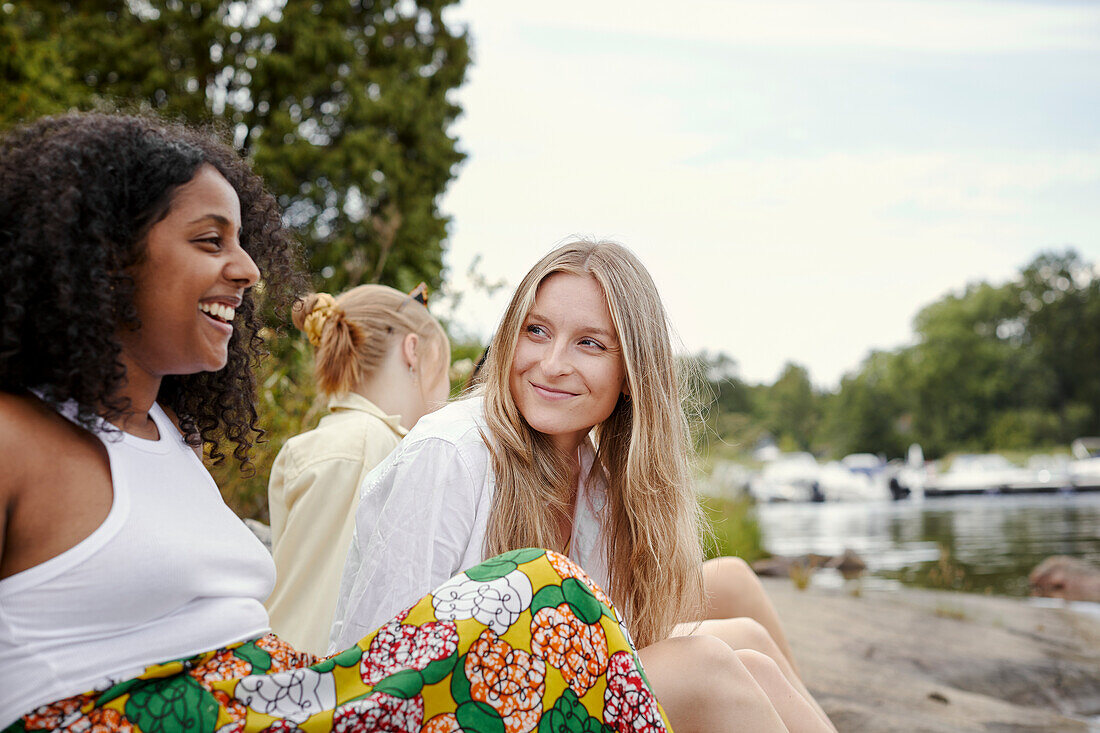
point(352, 332)
point(652, 523)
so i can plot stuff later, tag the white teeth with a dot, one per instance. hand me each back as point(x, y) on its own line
point(224, 312)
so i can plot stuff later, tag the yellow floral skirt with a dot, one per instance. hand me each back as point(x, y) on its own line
point(522, 642)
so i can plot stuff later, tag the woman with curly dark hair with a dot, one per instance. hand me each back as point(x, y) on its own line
point(131, 597)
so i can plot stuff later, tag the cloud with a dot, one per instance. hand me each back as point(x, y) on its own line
point(936, 26)
point(764, 248)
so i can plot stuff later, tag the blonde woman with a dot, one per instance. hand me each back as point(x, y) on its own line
point(577, 441)
point(381, 359)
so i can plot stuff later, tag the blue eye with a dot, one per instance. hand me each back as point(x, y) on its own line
point(591, 342)
point(535, 330)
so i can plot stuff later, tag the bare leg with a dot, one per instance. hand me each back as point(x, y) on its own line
point(703, 686)
point(794, 708)
point(734, 590)
point(748, 634)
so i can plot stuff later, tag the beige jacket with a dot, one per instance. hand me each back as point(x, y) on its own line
point(312, 497)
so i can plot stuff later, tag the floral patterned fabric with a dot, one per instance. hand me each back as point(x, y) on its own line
point(522, 642)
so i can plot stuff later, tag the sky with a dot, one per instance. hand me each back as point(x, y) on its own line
point(801, 177)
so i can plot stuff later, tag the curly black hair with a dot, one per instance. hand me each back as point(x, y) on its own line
point(78, 194)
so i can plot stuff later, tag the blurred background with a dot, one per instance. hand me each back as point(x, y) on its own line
point(875, 225)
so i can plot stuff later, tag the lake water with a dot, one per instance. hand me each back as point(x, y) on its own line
point(975, 543)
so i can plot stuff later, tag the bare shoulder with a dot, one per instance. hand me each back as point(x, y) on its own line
point(28, 429)
point(55, 488)
point(32, 437)
point(25, 434)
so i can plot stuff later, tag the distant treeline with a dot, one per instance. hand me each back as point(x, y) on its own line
point(997, 367)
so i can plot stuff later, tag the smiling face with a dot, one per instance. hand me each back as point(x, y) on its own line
point(567, 372)
point(188, 283)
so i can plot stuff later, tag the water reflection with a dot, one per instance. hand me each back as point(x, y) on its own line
point(975, 543)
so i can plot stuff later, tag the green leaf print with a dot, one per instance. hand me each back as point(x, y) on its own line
point(550, 595)
point(438, 669)
point(585, 605)
point(460, 685)
point(254, 655)
point(570, 716)
point(479, 716)
point(522, 555)
point(347, 658)
point(173, 704)
point(492, 569)
point(501, 565)
point(118, 691)
point(404, 684)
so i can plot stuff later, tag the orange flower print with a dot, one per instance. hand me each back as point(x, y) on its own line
point(100, 720)
point(222, 666)
point(442, 723)
point(578, 649)
point(57, 714)
point(236, 709)
point(566, 568)
point(511, 681)
point(283, 655)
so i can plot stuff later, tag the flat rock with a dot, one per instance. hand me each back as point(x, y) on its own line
point(921, 660)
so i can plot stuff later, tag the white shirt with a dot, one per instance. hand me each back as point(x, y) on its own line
point(422, 518)
point(170, 572)
point(312, 496)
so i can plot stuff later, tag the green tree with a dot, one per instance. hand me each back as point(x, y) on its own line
point(965, 368)
point(869, 412)
point(345, 107)
point(731, 419)
point(36, 80)
point(791, 409)
point(1060, 314)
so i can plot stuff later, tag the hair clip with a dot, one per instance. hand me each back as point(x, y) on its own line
point(419, 294)
point(314, 323)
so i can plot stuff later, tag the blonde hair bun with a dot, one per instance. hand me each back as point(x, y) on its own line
point(311, 313)
point(352, 332)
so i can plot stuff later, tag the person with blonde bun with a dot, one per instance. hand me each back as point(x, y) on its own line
point(576, 439)
point(382, 360)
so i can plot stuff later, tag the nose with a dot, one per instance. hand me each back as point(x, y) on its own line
point(241, 268)
point(556, 360)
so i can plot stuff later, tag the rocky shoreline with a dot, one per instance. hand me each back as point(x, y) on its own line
point(914, 660)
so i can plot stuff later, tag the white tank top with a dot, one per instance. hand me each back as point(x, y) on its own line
point(170, 573)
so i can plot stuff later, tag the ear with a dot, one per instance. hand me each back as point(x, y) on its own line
point(626, 387)
point(409, 346)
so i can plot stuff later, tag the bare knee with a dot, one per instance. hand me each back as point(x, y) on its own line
point(759, 664)
point(703, 685)
point(730, 563)
point(731, 585)
point(737, 633)
point(748, 633)
point(699, 672)
point(721, 680)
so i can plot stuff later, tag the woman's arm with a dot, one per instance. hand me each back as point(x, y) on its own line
point(416, 525)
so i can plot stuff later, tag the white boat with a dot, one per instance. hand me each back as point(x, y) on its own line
point(856, 477)
point(1084, 471)
point(985, 473)
point(790, 477)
